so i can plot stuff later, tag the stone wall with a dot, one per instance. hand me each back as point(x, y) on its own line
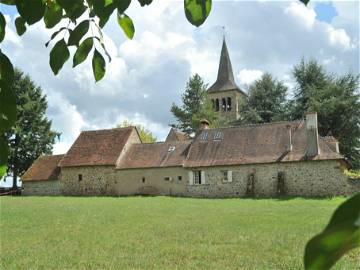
point(235, 99)
point(151, 181)
point(41, 188)
point(86, 180)
point(306, 178)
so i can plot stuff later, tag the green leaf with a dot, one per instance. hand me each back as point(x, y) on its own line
point(126, 24)
point(7, 106)
point(73, 9)
point(32, 11)
point(102, 11)
point(2, 27)
point(340, 235)
point(6, 69)
point(77, 34)
point(305, 1)
point(53, 14)
point(82, 51)
point(122, 5)
point(20, 25)
point(55, 34)
point(197, 11)
point(145, 2)
point(58, 56)
point(8, 2)
point(98, 65)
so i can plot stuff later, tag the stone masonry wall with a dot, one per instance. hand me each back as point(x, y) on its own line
point(307, 178)
point(95, 180)
point(151, 181)
point(235, 99)
point(41, 188)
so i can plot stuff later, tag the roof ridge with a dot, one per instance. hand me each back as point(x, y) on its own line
point(108, 129)
point(259, 124)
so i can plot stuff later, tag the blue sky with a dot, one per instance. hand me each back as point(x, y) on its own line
point(325, 11)
point(149, 73)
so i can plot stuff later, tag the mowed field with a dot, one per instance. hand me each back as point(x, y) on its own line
point(161, 232)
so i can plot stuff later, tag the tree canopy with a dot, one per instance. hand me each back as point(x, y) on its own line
point(266, 101)
point(31, 136)
point(146, 135)
point(335, 98)
point(195, 107)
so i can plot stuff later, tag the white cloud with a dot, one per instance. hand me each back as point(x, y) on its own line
point(247, 76)
point(339, 38)
point(304, 15)
point(150, 72)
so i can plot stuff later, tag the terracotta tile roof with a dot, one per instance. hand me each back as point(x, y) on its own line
point(264, 143)
point(176, 136)
point(154, 155)
point(98, 147)
point(43, 168)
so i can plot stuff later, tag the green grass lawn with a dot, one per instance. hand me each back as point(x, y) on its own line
point(161, 233)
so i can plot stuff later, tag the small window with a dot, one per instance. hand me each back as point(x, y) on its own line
point(225, 176)
point(80, 177)
point(223, 104)
point(213, 104)
point(167, 178)
point(143, 179)
point(217, 105)
point(198, 179)
point(179, 178)
point(229, 104)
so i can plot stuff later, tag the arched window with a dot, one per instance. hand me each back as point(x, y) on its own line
point(223, 104)
point(229, 103)
point(217, 105)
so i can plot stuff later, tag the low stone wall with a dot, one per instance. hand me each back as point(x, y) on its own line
point(41, 188)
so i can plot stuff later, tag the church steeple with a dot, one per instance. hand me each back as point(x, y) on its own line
point(225, 79)
point(224, 94)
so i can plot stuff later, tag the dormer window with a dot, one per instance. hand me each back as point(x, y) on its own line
point(218, 136)
point(171, 148)
point(204, 136)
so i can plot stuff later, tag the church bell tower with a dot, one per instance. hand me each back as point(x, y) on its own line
point(224, 94)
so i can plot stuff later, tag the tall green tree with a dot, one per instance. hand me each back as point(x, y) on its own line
point(146, 135)
point(336, 99)
point(195, 106)
point(266, 101)
point(31, 136)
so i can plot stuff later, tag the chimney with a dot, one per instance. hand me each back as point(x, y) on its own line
point(289, 146)
point(312, 135)
point(204, 124)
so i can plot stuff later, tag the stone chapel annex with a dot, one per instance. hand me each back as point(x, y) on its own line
point(280, 158)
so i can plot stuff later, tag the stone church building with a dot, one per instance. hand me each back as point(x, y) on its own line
point(281, 158)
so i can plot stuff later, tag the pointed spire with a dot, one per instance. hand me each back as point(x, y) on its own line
point(225, 79)
point(225, 72)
